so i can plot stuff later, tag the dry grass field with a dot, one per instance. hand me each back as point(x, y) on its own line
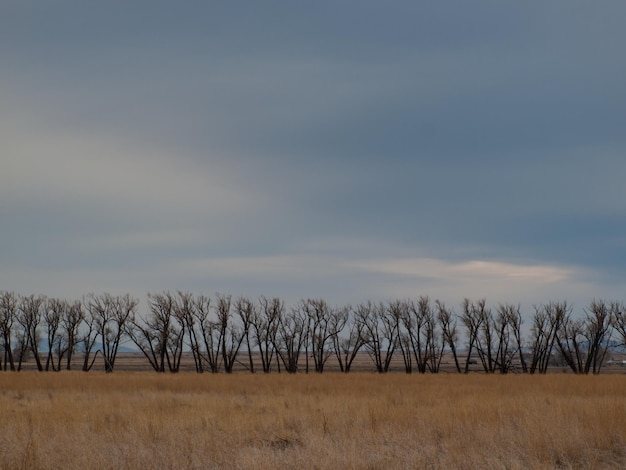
point(147, 420)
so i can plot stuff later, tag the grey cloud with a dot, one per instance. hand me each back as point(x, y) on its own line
point(455, 130)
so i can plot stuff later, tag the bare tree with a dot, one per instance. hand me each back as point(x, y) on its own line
point(203, 332)
point(485, 339)
point(88, 338)
point(231, 336)
point(8, 313)
point(472, 320)
point(346, 347)
point(291, 337)
point(425, 343)
point(54, 310)
point(111, 315)
point(211, 334)
point(506, 323)
point(380, 330)
point(71, 321)
point(160, 336)
point(307, 335)
point(246, 310)
point(435, 345)
point(570, 341)
point(175, 334)
point(583, 342)
point(447, 322)
point(599, 320)
point(265, 323)
point(184, 309)
point(600, 316)
point(319, 316)
point(547, 321)
point(514, 319)
point(495, 335)
point(30, 315)
point(406, 327)
point(619, 320)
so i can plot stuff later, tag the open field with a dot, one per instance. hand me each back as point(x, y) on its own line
point(615, 363)
point(142, 420)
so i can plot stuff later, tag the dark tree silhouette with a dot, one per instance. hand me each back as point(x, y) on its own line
point(8, 316)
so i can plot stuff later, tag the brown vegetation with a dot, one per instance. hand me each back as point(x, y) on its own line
point(188, 420)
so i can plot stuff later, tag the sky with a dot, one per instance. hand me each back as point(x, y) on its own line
point(348, 150)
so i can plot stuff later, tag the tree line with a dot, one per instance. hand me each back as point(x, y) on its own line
point(264, 335)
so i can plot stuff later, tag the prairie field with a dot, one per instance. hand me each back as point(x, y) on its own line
point(359, 420)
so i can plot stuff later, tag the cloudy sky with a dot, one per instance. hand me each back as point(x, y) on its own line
point(349, 150)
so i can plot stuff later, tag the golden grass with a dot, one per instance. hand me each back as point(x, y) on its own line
point(143, 420)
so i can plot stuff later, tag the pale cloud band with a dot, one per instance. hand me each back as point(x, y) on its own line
point(404, 277)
